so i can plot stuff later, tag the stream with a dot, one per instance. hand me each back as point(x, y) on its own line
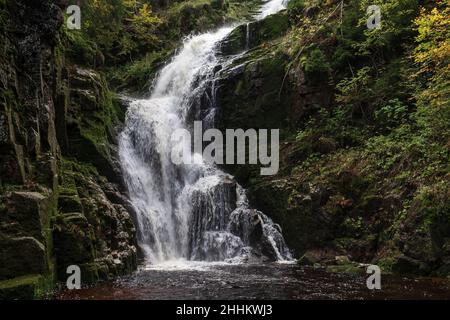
point(256, 281)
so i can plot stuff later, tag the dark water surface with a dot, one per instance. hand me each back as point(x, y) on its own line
point(258, 281)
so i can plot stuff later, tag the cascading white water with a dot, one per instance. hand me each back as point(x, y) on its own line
point(272, 7)
point(247, 36)
point(192, 212)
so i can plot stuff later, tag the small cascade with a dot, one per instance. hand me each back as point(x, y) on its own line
point(247, 36)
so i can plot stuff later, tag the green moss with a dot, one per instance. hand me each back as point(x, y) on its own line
point(346, 268)
point(386, 264)
point(272, 27)
point(26, 287)
point(138, 75)
point(25, 280)
point(315, 64)
point(296, 5)
point(81, 50)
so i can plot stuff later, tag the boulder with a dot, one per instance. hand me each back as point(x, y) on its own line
point(317, 256)
point(23, 288)
point(253, 34)
point(28, 210)
point(407, 265)
point(21, 256)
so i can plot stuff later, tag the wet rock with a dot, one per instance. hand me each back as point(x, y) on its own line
point(74, 237)
point(101, 236)
point(69, 203)
point(248, 36)
point(407, 265)
point(28, 211)
point(317, 256)
point(62, 3)
point(207, 218)
point(25, 233)
point(50, 112)
point(22, 288)
point(297, 211)
point(310, 12)
point(347, 268)
point(308, 259)
point(22, 256)
point(340, 260)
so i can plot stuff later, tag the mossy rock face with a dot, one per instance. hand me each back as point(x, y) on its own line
point(100, 238)
point(22, 288)
point(25, 233)
point(259, 90)
point(91, 119)
point(407, 265)
point(69, 203)
point(248, 94)
point(253, 34)
point(22, 255)
point(28, 145)
point(297, 213)
point(23, 209)
point(73, 237)
point(50, 110)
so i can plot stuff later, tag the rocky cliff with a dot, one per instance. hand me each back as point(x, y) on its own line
point(61, 201)
point(364, 166)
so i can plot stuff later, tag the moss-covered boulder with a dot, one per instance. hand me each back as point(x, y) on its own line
point(50, 110)
point(100, 236)
point(250, 35)
point(24, 288)
point(90, 121)
point(26, 235)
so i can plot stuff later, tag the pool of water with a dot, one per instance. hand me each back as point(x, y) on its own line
point(256, 281)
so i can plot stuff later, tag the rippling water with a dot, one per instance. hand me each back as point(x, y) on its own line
point(256, 281)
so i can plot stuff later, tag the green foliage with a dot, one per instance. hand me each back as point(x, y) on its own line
point(81, 50)
point(315, 63)
point(395, 29)
point(127, 38)
point(138, 74)
point(432, 56)
point(381, 146)
point(392, 114)
point(296, 5)
point(353, 226)
point(355, 91)
point(113, 31)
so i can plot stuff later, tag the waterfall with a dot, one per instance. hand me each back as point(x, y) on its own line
point(190, 211)
point(247, 36)
point(271, 7)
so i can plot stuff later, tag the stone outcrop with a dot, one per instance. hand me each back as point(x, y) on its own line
point(250, 35)
point(61, 198)
point(328, 195)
